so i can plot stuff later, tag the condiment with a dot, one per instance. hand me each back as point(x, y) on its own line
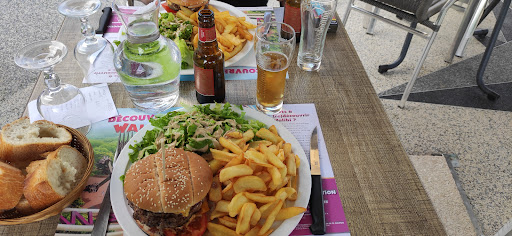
point(292, 16)
point(208, 62)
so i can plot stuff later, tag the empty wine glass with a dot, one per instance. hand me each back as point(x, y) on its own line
point(60, 103)
point(87, 49)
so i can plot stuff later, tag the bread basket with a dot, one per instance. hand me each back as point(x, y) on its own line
point(82, 144)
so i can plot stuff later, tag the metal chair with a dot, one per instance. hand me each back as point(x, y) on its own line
point(414, 11)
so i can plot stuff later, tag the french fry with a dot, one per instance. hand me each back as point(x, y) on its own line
point(248, 25)
point(184, 17)
point(297, 161)
point(271, 218)
point(195, 41)
point(256, 144)
point(235, 171)
point(233, 135)
point(254, 231)
point(287, 147)
point(259, 197)
point(267, 135)
point(222, 206)
point(228, 187)
point(226, 43)
point(243, 224)
point(217, 214)
point(258, 158)
point(236, 161)
point(220, 230)
point(213, 8)
point(249, 183)
point(230, 145)
point(229, 28)
point(265, 176)
point(290, 165)
point(235, 51)
point(228, 194)
point(222, 156)
point(271, 157)
point(195, 30)
point(246, 34)
point(186, 11)
point(293, 182)
point(273, 129)
point(215, 193)
point(248, 135)
point(267, 208)
point(275, 174)
point(236, 204)
point(289, 212)
point(228, 222)
point(256, 216)
point(216, 165)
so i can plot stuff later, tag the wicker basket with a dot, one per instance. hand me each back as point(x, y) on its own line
point(82, 144)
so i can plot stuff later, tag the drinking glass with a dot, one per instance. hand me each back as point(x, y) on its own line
point(87, 49)
point(316, 15)
point(60, 103)
point(149, 64)
point(274, 46)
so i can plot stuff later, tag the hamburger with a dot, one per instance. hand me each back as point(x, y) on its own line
point(170, 200)
point(193, 5)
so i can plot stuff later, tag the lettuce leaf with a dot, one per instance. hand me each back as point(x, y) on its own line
point(187, 53)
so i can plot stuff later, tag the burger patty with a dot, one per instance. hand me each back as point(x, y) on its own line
point(163, 220)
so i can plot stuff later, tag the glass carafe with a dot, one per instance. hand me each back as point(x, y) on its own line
point(149, 64)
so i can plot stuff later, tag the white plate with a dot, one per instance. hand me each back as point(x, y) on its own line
point(124, 213)
point(221, 6)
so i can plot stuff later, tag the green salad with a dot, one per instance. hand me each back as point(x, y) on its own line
point(197, 130)
point(180, 32)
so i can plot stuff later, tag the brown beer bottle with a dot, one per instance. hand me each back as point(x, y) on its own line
point(292, 16)
point(208, 62)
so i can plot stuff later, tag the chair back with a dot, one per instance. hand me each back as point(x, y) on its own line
point(421, 9)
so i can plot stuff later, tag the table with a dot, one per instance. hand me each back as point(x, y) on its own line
point(379, 188)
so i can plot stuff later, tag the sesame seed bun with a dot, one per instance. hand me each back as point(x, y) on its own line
point(188, 179)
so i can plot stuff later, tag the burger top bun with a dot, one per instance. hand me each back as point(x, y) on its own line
point(185, 180)
point(188, 3)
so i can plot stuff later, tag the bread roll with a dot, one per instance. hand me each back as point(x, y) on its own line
point(52, 179)
point(22, 142)
point(11, 186)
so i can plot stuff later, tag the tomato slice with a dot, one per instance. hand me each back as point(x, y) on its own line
point(167, 8)
point(194, 228)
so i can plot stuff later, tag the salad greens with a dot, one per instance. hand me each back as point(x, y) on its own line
point(180, 32)
point(197, 130)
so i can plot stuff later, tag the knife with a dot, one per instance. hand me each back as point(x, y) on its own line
point(104, 20)
point(316, 201)
point(102, 28)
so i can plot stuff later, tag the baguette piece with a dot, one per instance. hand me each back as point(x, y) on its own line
point(22, 142)
point(24, 207)
point(11, 186)
point(52, 179)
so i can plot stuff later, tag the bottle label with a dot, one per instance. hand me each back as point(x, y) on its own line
point(292, 17)
point(204, 81)
point(207, 34)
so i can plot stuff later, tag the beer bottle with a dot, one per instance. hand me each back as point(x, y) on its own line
point(292, 16)
point(208, 62)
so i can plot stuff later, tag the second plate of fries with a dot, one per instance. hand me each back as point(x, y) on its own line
point(260, 187)
point(235, 31)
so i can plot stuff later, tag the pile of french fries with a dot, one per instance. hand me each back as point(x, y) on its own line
point(252, 183)
point(232, 32)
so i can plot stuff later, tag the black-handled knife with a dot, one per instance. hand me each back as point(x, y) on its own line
point(104, 21)
point(316, 201)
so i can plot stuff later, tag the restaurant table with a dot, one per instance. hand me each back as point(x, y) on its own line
point(379, 188)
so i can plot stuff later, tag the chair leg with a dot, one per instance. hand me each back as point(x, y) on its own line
point(347, 12)
point(491, 95)
point(403, 53)
point(371, 24)
point(417, 70)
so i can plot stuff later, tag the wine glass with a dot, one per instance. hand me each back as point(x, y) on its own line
point(87, 49)
point(60, 103)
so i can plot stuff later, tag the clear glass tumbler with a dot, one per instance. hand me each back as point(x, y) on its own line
point(274, 47)
point(316, 15)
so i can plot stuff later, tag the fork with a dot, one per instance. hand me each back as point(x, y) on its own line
point(101, 223)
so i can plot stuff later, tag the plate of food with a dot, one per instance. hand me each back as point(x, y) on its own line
point(235, 30)
point(222, 169)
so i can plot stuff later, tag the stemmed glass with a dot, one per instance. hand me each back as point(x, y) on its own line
point(61, 103)
point(90, 46)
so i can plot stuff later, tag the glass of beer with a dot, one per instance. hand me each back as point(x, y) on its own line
point(274, 46)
